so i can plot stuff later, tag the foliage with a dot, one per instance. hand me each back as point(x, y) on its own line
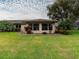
point(66, 25)
point(28, 30)
point(64, 9)
point(6, 26)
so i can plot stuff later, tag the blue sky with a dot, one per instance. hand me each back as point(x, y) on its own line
point(23, 9)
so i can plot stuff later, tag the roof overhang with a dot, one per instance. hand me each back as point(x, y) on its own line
point(30, 21)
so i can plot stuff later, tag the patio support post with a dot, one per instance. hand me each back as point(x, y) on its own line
point(40, 28)
point(54, 28)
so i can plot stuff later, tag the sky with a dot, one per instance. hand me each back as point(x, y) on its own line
point(23, 9)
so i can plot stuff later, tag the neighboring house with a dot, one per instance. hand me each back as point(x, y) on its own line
point(37, 25)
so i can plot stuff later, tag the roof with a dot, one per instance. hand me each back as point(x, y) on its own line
point(29, 21)
point(39, 21)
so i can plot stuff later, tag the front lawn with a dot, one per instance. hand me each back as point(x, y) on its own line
point(17, 46)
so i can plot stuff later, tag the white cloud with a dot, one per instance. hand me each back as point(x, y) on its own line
point(5, 15)
point(23, 9)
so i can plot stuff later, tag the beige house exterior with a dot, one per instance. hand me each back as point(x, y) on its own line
point(39, 26)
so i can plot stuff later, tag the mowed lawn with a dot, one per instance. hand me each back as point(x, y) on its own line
point(18, 46)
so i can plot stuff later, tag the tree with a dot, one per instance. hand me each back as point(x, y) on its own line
point(63, 11)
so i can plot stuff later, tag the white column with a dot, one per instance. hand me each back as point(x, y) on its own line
point(40, 27)
point(53, 28)
point(22, 29)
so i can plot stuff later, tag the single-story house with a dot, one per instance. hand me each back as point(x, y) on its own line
point(39, 26)
point(36, 25)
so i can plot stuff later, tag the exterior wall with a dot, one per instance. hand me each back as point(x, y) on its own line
point(47, 31)
point(40, 29)
point(23, 28)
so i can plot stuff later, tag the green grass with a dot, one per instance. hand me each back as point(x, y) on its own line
point(18, 46)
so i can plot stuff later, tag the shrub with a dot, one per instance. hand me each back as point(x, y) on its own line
point(64, 26)
point(6, 26)
point(28, 30)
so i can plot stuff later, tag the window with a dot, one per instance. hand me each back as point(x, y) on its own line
point(44, 26)
point(35, 26)
point(18, 26)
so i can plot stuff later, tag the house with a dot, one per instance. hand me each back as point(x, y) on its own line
point(36, 25)
point(39, 26)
